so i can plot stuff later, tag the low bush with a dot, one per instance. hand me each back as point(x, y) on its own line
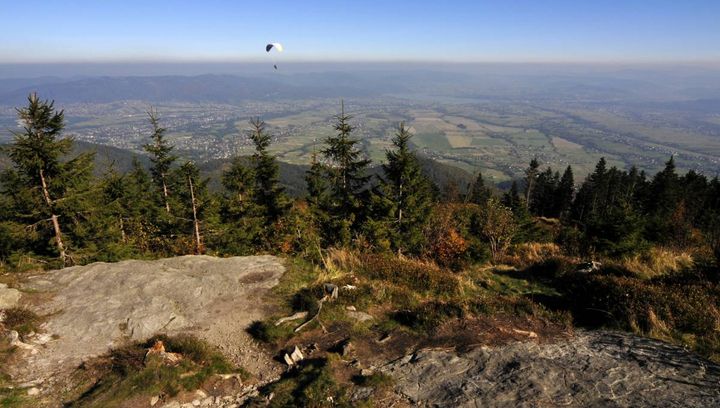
point(666, 307)
point(311, 384)
point(22, 320)
point(429, 315)
point(268, 332)
point(125, 372)
point(529, 253)
point(416, 275)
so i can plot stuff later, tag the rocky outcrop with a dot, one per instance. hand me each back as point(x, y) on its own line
point(103, 305)
point(592, 369)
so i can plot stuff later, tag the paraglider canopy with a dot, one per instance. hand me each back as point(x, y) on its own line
point(278, 47)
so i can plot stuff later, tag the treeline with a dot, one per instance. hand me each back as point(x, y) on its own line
point(619, 212)
point(53, 211)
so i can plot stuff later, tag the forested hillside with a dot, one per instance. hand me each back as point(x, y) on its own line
point(433, 258)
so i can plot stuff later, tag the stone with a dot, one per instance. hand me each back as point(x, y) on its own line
point(9, 297)
point(588, 267)
point(98, 306)
point(366, 372)
point(158, 351)
point(596, 368)
point(293, 357)
point(33, 391)
point(43, 338)
point(154, 400)
point(360, 316)
point(331, 290)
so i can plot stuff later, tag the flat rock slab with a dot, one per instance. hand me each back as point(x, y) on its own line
point(597, 369)
point(103, 305)
point(9, 297)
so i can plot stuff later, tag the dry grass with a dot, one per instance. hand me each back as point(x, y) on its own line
point(657, 262)
point(529, 253)
point(337, 263)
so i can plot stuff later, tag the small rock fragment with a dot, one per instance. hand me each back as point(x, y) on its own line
point(360, 316)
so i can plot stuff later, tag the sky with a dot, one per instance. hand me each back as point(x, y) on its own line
point(33, 31)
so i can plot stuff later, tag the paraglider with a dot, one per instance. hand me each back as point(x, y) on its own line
point(277, 47)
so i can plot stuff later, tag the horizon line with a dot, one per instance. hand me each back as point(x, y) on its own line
point(599, 62)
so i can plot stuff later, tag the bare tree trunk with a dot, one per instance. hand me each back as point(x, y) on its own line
point(54, 219)
point(196, 222)
point(165, 195)
point(528, 193)
point(122, 230)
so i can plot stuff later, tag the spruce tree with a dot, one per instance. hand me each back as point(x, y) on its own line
point(268, 194)
point(196, 200)
point(479, 193)
point(407, 192)
point(511, 198)
point(241, 220)
point(161, 157)
point(662, 202)
point(348, 195)
point(564, 193)
point(530, 177)
point(36, 153)
point(315, 182)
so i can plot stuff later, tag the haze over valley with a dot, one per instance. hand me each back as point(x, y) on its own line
point(488, 117)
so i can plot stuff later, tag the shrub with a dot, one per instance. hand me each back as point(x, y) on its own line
point(531, 253)
point(312, 384)
point(126, 374)
point(416, 275)
point(429, 315)
point(267, 332)
point(22, 320)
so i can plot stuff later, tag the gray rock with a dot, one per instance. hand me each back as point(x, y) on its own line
point(102, 305)
point(359, 316)
point(8, 297)
point(591, 369)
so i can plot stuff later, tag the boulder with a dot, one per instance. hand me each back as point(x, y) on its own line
point(9, 297)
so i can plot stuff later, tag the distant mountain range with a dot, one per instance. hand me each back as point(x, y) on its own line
point(202, 88)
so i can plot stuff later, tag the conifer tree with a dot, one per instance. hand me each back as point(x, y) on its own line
point(161, 157)
point(240, 218)
point(315, 182)
point(36, 153)
point(479, 193)
point(196, 198)
point(268, 194)
point(406, 192)
point(316, 190)
point(662, 202)
point(564, 193)
point(347, 180)
point(511, 198)
point(530, 177)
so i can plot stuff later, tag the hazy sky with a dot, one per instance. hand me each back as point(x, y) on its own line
point(441, 30)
